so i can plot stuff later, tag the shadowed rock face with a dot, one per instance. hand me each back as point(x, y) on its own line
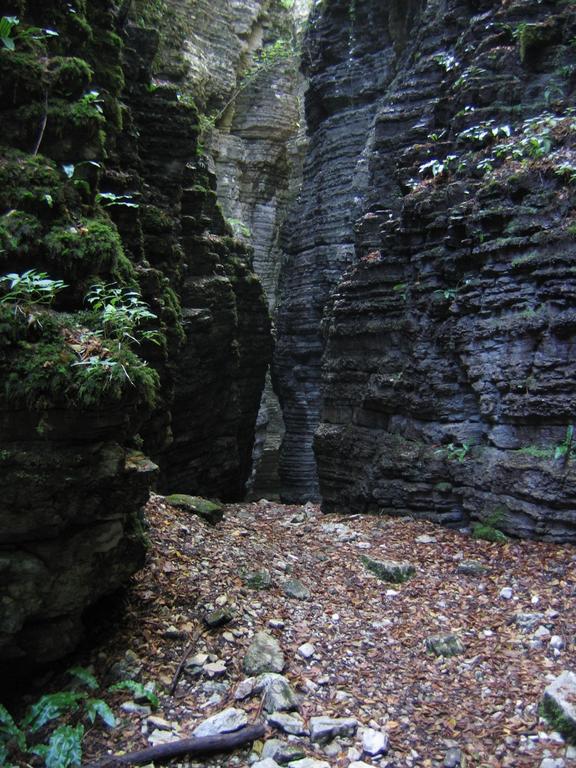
point(350, 59)
point(448, 377)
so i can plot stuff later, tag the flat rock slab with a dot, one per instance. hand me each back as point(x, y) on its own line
point(445, 645)
point(324, 729)
point(210, 511)
point(471, 568)
point(263, 655)
point(389, 570)
point(227, 721)
point(296, 590)
point(292, 724)
point(559, 705)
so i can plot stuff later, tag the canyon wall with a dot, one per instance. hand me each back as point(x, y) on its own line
point(102, 183)
point(448, 377)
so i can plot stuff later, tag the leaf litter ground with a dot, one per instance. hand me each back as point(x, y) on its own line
point(370, 658)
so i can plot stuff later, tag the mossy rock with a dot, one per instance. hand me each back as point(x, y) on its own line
point(69, 76)
point(389, 570)
point(19, 236)
point(210, 511)
point(31, 183)
point(445, 645)
point(558, 705)
point(22, 79)
point(90, 247)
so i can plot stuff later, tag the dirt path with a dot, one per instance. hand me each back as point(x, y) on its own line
point(369, 658)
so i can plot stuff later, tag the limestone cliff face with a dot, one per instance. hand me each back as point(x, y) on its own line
point(241, 64)
point(102, 182)
point(448, 376)
point(349, 59)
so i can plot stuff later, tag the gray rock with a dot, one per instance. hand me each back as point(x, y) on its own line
point(324, 729)
point(453, 758)
point(295, 589)
point(425, 539)
point(244, 689)
point(258, 579)
point(375, 742)
point(131, 708)
point(266, 763)
point(292, 724)
point(557, 642)
point(389, 570)
point(227, 721)
point(527, 622)
point(506, 593)
point(445, 645)
point(559, 705)
point(263, 655)
point(551, 762)
point(218, 618)
point(281, 751)
point(471, 568)
point(306, 651)
point(279, 696)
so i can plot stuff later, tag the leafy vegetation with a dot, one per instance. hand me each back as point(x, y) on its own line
point(489, 530)
point(53, 727)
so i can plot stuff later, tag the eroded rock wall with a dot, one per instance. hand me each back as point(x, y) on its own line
point(448, 378)
point(101, 181)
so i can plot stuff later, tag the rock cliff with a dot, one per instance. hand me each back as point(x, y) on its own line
point(101, 183)
point(447, 380)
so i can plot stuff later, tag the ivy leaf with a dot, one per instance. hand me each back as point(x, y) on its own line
point(85, 676)
point(98, 708)
point(140, 691)
point(9, 730)
point(50, 707)
point(65, 747)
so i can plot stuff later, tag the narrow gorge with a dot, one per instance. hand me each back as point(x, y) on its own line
point(311, 253)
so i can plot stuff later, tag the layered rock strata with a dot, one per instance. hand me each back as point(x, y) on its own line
point(101, 182)
point(448, 377)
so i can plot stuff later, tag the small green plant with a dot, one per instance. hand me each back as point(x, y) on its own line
point(447, 61)
point(455, 452)
point(29, 288)
point(8, 25)
point(138, 690)
point(563, 450)
point(488, 529)
point(121, 312)
point(239, 228)
point(58, 720)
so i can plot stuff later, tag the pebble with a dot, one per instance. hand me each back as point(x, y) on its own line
point(506, 593)
point(358, 764)
point(162, 737)
point(135, 709)
point(374, 742)
point(279, 696)
point(266, 763)
point(244, 689)
point(308, 762)
point(425, 539)
point(215, 668)
point(557, 642)
point(282, 752)
point(453, 758)
point(550, 762)
point(306, 651)
point(227, 721)
point(542, 633)
point(276, 624)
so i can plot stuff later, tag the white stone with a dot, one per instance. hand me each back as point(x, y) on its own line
point(358, 764)
point(425, 539)
point(506, 593)
point(162, 737)
point(215, 668)
point(276, 623)
point(550, 762)
point(227, 721)
point(309, 762)
point(266, 763)
point(557, 642)
point(306, 651)
point(374, 742)
point(542, 632)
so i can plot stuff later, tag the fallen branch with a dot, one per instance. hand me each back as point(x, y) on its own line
point(205, 745)
point(189, 648)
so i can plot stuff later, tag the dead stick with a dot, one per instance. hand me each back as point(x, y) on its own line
point(189, 648)
point(205, 745)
